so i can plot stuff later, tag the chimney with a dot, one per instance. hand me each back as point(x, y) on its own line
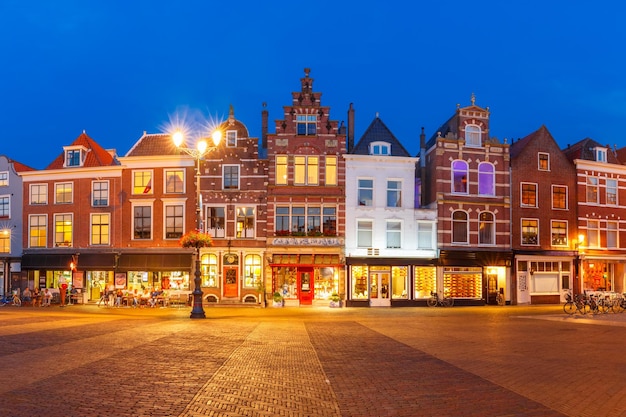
point(350, 128)
point(264, 116)
point(423, 166)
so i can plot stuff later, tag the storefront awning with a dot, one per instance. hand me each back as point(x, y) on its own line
point(61, 261)
point(155, 262)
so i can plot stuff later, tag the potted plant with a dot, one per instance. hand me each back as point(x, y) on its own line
point(278, 299)
point(335, 300)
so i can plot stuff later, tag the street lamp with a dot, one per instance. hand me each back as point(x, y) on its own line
point(202, 148)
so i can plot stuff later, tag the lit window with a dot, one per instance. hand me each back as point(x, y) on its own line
point(174, 221)
point(37, 231)
point(174, 181)
point(529, 195)
point(5, 241)
point(63, 193)
point(592, 190)
point(100, 193)
point(486, 228)
point(486, 179)
point(331, 170)
point(544, 161)
point(364, 233)
point(39, 194)
point(472, 135)
point(559, 197)
point(306, 170)
point(4, 179)
point(459, 227)
point(252, 271)
point(209, 270)
point(365, 192)
point(63, 230)
point(231, 177)
point(306, 124)
point(245, 222)
point(459, 176)
point(394, 193)
point(142, 182)
point(558, 233)
point(100, 229)
point(530, 232)
point(281, 169)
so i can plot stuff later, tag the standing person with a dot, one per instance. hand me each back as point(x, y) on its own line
point(63, 291)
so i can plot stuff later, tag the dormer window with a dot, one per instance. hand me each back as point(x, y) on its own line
point(473, 135)
point(231, 138)
point(600, 154)
point(306, 124)
point(74, 156)
point(380, 148)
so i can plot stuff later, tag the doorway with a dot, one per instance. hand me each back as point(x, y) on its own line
point(305, 282)
point(231, 282)
point(379, 289)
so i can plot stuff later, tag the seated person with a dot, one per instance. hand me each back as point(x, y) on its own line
point(26, 295)
point(36, 297)
point(47, 297)
point(118, 297)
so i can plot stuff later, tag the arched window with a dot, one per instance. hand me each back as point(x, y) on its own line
point(459, 227)
point(459, 176)
point(208, 268)
point(486, 228)
point(486, 178)
point(473, 136)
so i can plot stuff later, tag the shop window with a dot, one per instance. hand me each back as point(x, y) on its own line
point(399, 282)
point(425, 281)
point(252, 271)
point(326, 282)
point(359, 276)
point(462, 282)
point(208, 267)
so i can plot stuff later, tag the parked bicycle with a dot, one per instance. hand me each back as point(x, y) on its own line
point(12, 300)
point(435, 300)
point(575, 304)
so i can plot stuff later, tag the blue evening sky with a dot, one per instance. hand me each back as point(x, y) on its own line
point(118, 68)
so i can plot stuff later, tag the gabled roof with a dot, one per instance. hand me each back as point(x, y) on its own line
point(542, 134)
point(584, 149)
point(96, 155)
point(378, 132)
point(20, 167)
point(159, 144)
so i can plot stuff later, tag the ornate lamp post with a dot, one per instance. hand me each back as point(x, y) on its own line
point(199, 241)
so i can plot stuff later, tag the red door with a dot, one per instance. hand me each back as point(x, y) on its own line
point(230, 282)
point(305, 282)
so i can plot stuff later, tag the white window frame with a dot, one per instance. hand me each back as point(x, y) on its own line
point(65, 243)
point(593, 233)
point(380, 148)
point(537, 235)
point(393, 230)
point(521, 196)
point(614, 192)
point(425, 233)
point(554, 186)
point(361, 187)
point(457, 176)
point(132, 219)
point(167, 172)
point(238, 186)
point(473, 136)
point(231, 138)
point(552, 231)
point(91, 229)
point(547, 158)
point(492, 231)
point(600, 154)
point(45, 228)
point(39, 186)
point(56, 192)
point(363, 227)
point(612, 234)
point(4, 178)
point(396, 191)
point(592, 187)
point(93, 193)
point(174, 203)
point(8, 206)
point(487, 176)
point(143, 188)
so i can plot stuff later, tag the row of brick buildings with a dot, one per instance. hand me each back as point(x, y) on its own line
point(308, 212)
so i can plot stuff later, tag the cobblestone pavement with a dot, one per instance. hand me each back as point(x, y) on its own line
point(466, 361)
